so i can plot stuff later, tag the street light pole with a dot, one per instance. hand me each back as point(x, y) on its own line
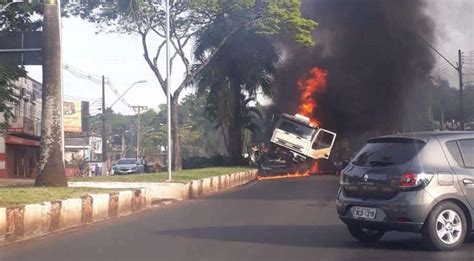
point(125, 92)
point(104, 132)
point(139, 110)
point(168, 86)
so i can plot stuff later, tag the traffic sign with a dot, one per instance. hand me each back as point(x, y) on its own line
point(20, 48)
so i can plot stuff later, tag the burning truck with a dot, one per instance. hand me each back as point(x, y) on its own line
point(298, 142)
point(295, 146)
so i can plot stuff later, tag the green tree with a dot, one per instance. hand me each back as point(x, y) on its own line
point(21, 17)
point(232, 76)
point(188, 20)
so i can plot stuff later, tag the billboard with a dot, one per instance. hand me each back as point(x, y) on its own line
point(73, 116)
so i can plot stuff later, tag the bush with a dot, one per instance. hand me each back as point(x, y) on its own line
point(203, 162)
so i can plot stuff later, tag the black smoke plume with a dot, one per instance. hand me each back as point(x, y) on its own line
point(376, 63)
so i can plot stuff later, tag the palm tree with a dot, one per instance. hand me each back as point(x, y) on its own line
point(243, 66)
point(51, 169)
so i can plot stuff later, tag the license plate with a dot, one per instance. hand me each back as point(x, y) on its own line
point(363, 212)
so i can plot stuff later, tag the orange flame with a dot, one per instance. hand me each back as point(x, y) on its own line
point(314, 168)
point(311, 83)
point(294, 175)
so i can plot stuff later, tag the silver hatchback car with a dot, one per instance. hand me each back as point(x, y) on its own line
point(417, 182)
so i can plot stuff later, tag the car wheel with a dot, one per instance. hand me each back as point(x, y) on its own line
point(445, 227)
point(365, 235)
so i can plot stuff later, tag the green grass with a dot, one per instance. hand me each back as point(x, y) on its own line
point(21, 196)
point(178, 176)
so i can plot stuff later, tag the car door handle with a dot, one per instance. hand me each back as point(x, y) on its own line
point(468, 182)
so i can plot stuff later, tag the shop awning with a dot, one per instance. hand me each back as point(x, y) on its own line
point(10, 139)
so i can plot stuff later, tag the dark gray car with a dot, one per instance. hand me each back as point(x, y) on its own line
point(418, 182)
point(128, 166)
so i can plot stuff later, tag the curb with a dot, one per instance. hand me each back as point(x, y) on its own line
point(30, 221)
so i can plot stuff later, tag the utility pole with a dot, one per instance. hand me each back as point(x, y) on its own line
point(138, 110)
point(459, 70)
point(122, 149)
point(461, 95)
point(104, 133)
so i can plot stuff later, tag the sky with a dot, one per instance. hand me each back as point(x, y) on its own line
point(120, 58)
point(454, 21)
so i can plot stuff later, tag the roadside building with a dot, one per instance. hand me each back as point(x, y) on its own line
point(78, 148)
point(81, 145)
point(20, 143)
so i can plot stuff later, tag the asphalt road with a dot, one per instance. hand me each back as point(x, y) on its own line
point(290, 219)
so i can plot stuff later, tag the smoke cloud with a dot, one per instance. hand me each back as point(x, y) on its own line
point(375, 62)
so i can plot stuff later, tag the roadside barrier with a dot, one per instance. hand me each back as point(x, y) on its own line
point(20, 223)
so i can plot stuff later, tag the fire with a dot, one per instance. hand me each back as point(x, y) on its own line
point(314, 168)
point(311, 83)
point(299, 174)
point(293, 175)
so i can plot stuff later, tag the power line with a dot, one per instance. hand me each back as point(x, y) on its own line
point(117, 93)
point(97, 79)
point(443, 64)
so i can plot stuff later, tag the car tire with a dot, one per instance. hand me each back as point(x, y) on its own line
point(363, 234)
point(445, 228)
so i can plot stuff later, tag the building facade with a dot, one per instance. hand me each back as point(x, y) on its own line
point(20, 143)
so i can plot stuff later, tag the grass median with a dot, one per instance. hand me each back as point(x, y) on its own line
point(178, 176)
point(16, 196)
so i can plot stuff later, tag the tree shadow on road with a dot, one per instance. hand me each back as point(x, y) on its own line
point(326, 236)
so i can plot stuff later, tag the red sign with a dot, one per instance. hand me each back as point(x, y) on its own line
point(10, 139)
point(19, 130)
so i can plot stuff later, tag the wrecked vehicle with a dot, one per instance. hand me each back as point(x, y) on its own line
point(295, 144)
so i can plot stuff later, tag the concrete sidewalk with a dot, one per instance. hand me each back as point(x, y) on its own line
point(4, 182)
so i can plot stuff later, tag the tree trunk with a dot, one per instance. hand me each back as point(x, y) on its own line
point(177, 161)
point(224, 136)
point(235, 144)
point(51, 169)
point(235, 130)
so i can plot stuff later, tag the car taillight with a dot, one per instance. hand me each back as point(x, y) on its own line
point(407, 180)
point(410, 181)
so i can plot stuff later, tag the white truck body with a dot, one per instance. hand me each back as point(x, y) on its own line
point(302, 138)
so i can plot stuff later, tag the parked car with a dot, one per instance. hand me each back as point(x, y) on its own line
point(420, 182)
point(127, 166)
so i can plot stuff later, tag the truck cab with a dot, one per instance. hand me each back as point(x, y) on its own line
point(301, 138)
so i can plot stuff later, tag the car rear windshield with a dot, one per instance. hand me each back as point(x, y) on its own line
point(383, 152)
point(127, 162)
